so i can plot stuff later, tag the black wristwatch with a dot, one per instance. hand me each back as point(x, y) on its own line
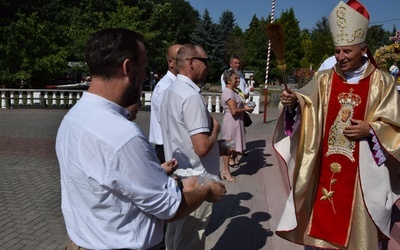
point(179, 183)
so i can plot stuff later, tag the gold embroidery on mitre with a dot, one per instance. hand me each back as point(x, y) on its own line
point(337, 142)
point(341, 23)
point(347, 26)
point(328, 194)
point(342, 31)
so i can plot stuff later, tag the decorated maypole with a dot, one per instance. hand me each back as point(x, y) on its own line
point(267, 66)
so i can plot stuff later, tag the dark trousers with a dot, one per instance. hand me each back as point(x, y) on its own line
point(160, 152)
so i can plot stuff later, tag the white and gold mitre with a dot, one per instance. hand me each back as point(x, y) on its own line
point(348, 23)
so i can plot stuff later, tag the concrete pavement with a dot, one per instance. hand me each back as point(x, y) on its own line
point(30, 215)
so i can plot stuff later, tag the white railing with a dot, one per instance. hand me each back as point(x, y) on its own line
point(57, 98)
point(39, 98)
point(214, 100)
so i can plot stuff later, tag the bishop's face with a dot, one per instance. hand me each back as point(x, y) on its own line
point(351, 57)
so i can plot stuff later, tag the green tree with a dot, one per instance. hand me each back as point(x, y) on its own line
point(207, 34)
point(293, 52)
point(31, 54)
point(322, 45)
point(256, 42)
point(234, 44)
point(377, 37)
point(164, 23)
point(227, 26)
point(43, 39)
point(227, 23)
point(306, 47)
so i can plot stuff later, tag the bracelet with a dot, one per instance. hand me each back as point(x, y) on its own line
point(179, 183)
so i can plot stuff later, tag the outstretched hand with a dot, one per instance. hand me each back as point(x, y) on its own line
point(170, 166)
point(216, 191)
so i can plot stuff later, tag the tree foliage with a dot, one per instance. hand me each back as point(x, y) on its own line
point(210, 37)
point(377, 37)
point(44, 39)
point(293, 52)
point(256, 42)
point(41, 38)
point(321, 43)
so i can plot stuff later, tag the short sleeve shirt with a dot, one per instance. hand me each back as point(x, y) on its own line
point(183, 114)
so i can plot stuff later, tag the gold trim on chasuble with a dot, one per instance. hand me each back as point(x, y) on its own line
point(334, 202)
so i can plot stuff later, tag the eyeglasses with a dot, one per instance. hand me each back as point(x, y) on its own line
point(204, 60)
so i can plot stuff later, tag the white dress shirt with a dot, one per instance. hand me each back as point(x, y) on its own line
point(155, 135)
point(114, 193)
point(328, 63)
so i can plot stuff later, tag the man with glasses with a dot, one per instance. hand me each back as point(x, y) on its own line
point(190, 135)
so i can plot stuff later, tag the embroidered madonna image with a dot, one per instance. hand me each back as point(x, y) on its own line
point(337, 142)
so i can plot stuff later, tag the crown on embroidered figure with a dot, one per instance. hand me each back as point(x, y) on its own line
point(349, 99)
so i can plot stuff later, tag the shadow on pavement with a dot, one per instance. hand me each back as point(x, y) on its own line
point(249, 240)
point(254, 161)
point(229, 206)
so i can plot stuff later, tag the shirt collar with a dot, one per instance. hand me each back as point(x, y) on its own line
point(171, 75)
point(188, 81)
point(107, 103)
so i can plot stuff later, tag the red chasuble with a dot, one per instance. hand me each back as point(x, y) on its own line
point(334, 202)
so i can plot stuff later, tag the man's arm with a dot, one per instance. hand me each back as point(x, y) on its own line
point(203, 142)
point(192, 198)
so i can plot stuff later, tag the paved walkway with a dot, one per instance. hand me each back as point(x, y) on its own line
point(30, 216)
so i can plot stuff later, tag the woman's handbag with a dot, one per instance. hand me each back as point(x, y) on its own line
point(246, 119)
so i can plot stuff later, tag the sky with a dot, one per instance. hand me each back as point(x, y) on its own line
point(308, 12)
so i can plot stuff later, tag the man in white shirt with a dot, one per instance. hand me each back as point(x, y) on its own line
point(234, 63)
point(328, 63)
point(190, 135)
point(114, 193)
point(155, 135)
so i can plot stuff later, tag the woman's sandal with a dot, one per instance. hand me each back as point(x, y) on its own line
point(227, 176)
point(234, 164)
